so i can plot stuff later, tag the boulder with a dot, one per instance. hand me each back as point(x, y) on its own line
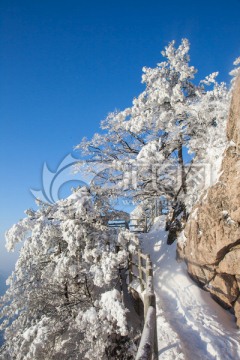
point(212, 247)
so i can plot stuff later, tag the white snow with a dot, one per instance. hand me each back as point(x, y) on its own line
point(190, 324)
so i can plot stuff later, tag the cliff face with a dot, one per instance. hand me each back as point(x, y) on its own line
point(212, 248)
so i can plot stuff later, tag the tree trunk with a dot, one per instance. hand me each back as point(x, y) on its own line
point(181, 163)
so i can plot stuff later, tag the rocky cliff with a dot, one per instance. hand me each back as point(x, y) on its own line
point(212, 247)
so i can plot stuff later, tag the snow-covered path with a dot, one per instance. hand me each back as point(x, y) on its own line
point(191, 325)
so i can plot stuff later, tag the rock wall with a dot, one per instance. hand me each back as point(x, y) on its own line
point(212, 247)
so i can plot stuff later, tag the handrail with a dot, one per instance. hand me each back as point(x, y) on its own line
point(144, 223)
point(148, 347)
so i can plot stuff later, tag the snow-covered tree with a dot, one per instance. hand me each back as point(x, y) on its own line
point(142, 149)
point(236, 70)
point(63, 300)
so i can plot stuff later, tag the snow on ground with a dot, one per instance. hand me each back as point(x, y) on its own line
point(191, 325)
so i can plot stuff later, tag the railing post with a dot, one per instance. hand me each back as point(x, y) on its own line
point(149, 266)
point(140, 269)
point(160, 207)
point(156, 207)
point(149, 297)
point(146, 224)
point(130, 268)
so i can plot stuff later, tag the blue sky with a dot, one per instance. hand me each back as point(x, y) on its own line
point(65, 64)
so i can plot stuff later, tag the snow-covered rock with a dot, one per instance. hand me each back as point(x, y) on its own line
point(212, 248)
